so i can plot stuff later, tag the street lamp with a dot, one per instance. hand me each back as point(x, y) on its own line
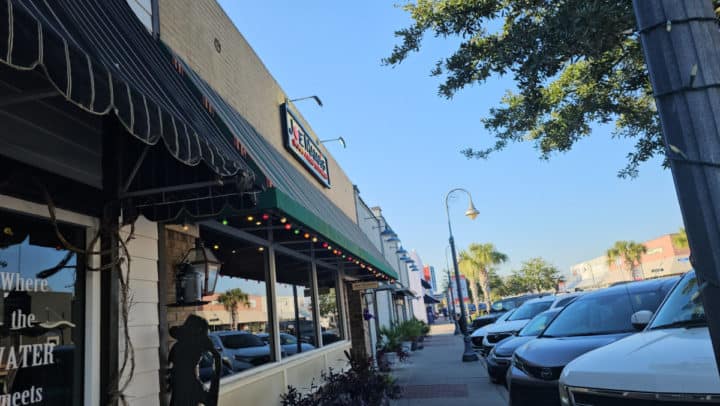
point(341, 140)
point(317, 99)
point(447, 267)
point(469, 355)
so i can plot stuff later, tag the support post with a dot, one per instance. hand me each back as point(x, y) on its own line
point(271, 280)
point(680, 41)
point(315, 298)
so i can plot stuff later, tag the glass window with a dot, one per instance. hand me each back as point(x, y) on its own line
point(530, 310)
point(683, 307)
point(237, 312)
point(43, 311)
point(295, 304)
point(594, 315)
point(538, 324)
point(330, 322)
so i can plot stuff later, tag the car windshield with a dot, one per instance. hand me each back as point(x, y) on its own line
point(530, 310)
point(602, 314)
point(503, 305)
point(235, 341)
point(537, 325)
point(683, 308)
point(505, 316)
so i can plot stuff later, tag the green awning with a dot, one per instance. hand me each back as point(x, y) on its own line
point(292, 193)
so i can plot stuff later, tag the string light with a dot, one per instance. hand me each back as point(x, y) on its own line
point(185, 227)
point(257, 223)
point(283, 220)
point(233, 251)
point(266, 217)
point(288, 226)
point(306, 236)
point(261, 249)
point(325, 245)
point(224, 222)
point(314, 239)
point(216, 247)
point(297, 231)
point(250, 218)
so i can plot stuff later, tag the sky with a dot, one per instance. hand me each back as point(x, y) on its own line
point(404, 142)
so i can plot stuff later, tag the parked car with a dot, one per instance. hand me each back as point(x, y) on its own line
point(592, 321)
point(477, 336)
point(671, 361)
point(521, 317)
point(243, 349)
point(500, 307)
point(500, 357)
point(288, 342)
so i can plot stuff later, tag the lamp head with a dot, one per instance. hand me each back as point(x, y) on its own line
point(472, 212)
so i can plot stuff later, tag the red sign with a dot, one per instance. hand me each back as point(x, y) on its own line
point(304, 148)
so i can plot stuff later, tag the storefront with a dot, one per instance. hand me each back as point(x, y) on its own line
point(121, 167)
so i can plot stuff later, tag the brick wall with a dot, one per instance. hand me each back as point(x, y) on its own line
point(359, 334)
point(190, 28)
point(177, 245)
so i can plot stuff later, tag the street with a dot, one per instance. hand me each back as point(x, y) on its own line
point(436, 375)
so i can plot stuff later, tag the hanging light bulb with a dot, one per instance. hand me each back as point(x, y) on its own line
point(314, 239)
point(250, 218)
point(185, 227)
point(283, 220)
point(288, 226)
point(261, 249)
point(297, 231)
point(258, 223)
point(306, 235)
point(266, 217)
point(216, 247)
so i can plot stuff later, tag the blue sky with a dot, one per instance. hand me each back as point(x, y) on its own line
point(404, 142)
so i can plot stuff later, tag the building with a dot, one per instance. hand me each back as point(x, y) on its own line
point(146, 181)
point(662, 259)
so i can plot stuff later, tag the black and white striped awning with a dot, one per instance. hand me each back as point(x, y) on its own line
point(101, 58)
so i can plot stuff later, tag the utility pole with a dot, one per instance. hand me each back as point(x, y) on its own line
point(681, 43)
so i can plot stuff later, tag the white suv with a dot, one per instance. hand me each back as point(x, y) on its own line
point(672, 360)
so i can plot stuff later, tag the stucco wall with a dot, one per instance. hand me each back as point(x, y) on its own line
point(190, 28)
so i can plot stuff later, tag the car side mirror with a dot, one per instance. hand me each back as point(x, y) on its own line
point(641, 319)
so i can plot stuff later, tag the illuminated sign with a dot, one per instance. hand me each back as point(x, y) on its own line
point(304, 148)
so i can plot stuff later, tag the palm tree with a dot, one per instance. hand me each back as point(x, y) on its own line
point(475, 264)
point(230, 300)
point(630, 252)
point(680, 239)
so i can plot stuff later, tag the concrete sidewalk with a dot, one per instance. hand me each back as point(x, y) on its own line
point(436, 375)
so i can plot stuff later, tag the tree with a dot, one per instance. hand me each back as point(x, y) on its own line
point(475, 264)
point(575, 63)
point(680, 240)
point(230, 300)
point(629, 252)
point(539, 275)
point(515, 284)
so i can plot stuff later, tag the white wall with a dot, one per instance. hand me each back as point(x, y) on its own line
point(144, 388)
point(143, 10)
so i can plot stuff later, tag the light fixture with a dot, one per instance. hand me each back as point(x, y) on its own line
point(261, 249)
point(401, 251)
point(405, 258)
point(472, 212)
point(314, 97)
point(387, 232)
point(288, 226)
point(314, 239)
point(393, 239)
point(197, 274)
point(341, 140)
point(266, 217)
point(283, 220)
point(250, 218)
point(258, 223)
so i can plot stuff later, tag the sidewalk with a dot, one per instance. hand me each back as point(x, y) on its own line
point(436, 375)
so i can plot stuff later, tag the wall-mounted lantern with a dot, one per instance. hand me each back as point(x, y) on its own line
point(196, 275)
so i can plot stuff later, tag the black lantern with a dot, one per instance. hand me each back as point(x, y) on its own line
point(197, 275)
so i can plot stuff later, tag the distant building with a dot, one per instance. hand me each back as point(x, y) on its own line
point(662, 259)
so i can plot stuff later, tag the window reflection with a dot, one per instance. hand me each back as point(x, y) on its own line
point(295, 306)
point(328, 304)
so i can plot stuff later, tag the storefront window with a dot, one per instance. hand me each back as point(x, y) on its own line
point(41, 338)
point(295, 306)
point(330, 322)
point(237, 312)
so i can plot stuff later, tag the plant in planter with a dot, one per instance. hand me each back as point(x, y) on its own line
point(361, 385)
point(392, 347)
point(411, 330)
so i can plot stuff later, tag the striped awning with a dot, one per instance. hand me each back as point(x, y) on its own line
point(101, 58)
point(291, 191)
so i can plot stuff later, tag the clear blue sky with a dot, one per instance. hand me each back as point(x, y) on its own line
point(404, 142)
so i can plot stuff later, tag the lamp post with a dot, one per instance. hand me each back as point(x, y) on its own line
point(447, 267)
point(469, 355)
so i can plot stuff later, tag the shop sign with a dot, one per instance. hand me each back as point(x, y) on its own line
point(365, 285)
point(302, 146)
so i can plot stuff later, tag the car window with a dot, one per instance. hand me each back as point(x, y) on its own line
point(564, 301)
point(530, 310)
point(603, 314)
point(505, 316)
point(287, 339)
point(235, 341)
point(683, 306)
point(537, 325)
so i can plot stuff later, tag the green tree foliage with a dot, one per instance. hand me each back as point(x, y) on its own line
point(575, 62)
point(475, 263)
point(327, 303)
point(538, 275)
point(680, 240)
point(230, 300)
point(630, 252)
